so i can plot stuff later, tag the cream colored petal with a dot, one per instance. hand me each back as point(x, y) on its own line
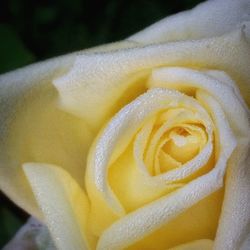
point(96, 84)
point(211, 18)
point(236, 206)
point(198, 222)
point(172, 119)
point(140, 223)
point(33, 129)
point(14, 87)
point(176, 77)
point(116, 136)
point(123, 126)
point(131, 186)
point(63, 203)
point(165, 162)
point(136, 225)
point(175, 174)
point(191, 166)
point(226, 79)
point(246, 242)
point(195, 245)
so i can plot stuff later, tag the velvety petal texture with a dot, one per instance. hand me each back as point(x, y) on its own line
point(120, 75)
point(67, 216)
point(208, 19)
point(139, 144)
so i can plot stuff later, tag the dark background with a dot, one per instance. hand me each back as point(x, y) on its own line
point(31, 31)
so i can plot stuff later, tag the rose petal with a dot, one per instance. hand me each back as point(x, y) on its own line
point(14, 87)
point(32, 129)
point(195, 245)
point(120, 130)
point(63, 203)
point(96, 84)
point(144, 221)
point(236, 207)
point(105, 206)
point(131, 228)
point(214, 18)
point(176, 77)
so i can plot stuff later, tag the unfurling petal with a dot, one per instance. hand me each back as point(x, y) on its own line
point(64, 205)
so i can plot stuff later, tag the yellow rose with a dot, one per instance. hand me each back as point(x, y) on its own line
point(140, 144)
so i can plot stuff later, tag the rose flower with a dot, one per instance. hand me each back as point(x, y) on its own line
point(139, 144)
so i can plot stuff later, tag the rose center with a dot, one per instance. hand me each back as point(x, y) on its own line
point(182, 146)
point(173, 144)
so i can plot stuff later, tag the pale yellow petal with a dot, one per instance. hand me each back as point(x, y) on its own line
point(223, 77)
point(236, 207)
point(96, 84)
point(198, 222)
point(33, 129)
point(14, 89)
point(130, 229)
point(172, 118)
point(40, 132)
point(176, 77)
point(195, 245)
point(211, 18)
point(119, 131)
point(167, 163)
point(63, 203)
point(131, 186)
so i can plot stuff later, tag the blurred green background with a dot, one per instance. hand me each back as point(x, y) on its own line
point(31, 31)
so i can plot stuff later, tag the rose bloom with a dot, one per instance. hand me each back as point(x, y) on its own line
point(140, 144)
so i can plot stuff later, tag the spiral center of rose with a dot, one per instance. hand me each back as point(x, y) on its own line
point(176, 138)
point(153, 146)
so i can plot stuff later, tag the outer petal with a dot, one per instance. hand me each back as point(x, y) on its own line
point(177, 78)
point(63, 203)
point(234, 228)
point(33, 129)
point(236, 205)
point(13, 87)
point(236, 209)
point(211, 18)
point(195, 245)
point(99, 84)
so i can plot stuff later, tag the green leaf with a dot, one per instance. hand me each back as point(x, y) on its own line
point(10, 223)
point(13, 53)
